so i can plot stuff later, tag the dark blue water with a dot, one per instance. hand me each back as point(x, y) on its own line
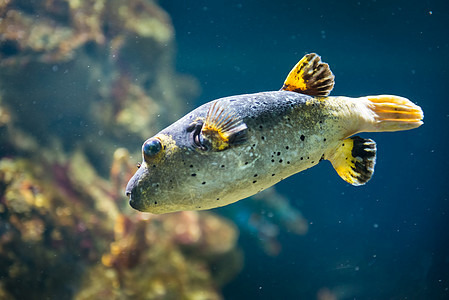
point(388, 239)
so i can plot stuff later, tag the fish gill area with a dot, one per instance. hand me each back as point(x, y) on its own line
point(82, 84)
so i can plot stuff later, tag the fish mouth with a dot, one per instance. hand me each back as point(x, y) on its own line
point(134, 203)
point(135, 200)
point(132, 191)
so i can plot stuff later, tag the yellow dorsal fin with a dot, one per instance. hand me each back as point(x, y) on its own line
point(310, 76)
point(223, 127)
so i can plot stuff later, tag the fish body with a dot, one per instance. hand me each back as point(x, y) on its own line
point(234, 147)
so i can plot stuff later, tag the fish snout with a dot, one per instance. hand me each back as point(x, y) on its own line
point(135, 203)
point(133, 191)
point(135, 199)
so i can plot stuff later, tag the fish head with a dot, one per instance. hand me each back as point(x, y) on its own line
point(190, 165)
point(177, 173)
point(154, 185)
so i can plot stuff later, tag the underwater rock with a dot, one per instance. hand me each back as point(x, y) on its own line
point(98, 73)
point(67, 218)
point(156, 257)
point(41, 238)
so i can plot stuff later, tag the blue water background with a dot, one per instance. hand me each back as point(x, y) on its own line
point(385, 240)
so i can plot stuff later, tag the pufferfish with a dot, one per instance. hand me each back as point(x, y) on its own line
point(234, 147)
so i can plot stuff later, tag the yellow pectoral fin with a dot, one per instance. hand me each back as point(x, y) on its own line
point(223, 128)
point(354, 160)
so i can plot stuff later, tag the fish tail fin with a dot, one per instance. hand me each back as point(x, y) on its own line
point(392, 113)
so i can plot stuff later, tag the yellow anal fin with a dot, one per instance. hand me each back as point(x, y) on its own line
point(223, 127)
point(354, 160)
point(310, 76)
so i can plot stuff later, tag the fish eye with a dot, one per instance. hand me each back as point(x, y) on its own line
point(151, 147)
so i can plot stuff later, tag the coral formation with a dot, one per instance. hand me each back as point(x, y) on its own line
point(97, 73)
point(81, 81)
point(167, 257)
point(61, 219)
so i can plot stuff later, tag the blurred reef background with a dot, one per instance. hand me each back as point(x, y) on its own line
point(84, 82)
point(78, 81)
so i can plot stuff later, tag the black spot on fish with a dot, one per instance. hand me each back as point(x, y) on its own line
point(272, 160)
point(204, 182)
point(263, 138)
point(222, 166)
point(287, 147)
point(254, 181)
point(191, 166)
point(218, 198)
point(155, 202)
point(194, 174)
point(288, 162)
point(312, 161)
point(260, 126)
point(246, 162)
point(302, 137)
point(279, 153)
point(255, 175)
point(154, 166)
point(280, 160)
point(324, 139)
point(302, 158)
point(273, 174)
